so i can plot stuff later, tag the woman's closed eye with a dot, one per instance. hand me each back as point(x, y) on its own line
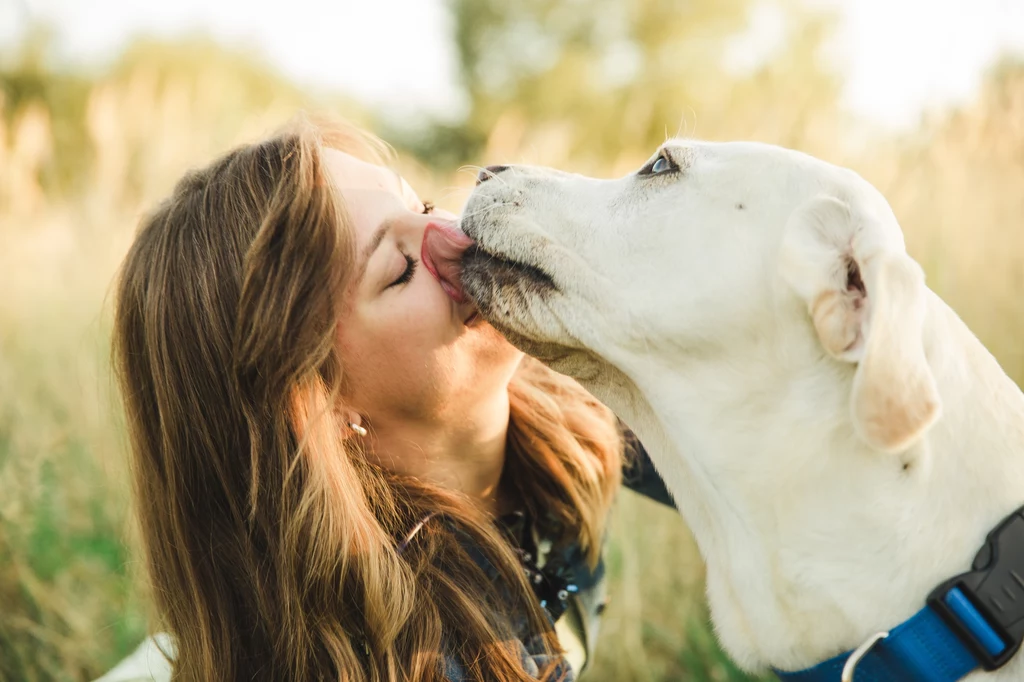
point(410, 262)
point(406, 276)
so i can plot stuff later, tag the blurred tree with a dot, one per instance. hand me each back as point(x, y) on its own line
point(604, 79)
point(212, 87)
point(992, 126)
point(27, 77)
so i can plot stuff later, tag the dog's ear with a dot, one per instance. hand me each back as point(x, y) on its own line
point(868, 300)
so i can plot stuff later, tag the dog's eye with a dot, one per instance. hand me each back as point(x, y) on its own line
point(662, 164)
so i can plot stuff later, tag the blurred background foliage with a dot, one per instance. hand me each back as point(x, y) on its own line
point(587, 85)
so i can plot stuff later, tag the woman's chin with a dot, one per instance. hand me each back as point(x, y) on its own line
point(497, 349)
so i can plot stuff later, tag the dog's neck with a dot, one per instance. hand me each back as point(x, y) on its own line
point(813, 540)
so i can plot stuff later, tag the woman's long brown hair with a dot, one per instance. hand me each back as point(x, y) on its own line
point(271, 541)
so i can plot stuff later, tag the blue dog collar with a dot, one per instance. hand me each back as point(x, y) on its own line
point(975, 620)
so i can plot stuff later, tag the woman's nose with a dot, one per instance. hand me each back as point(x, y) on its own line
point(486, 174)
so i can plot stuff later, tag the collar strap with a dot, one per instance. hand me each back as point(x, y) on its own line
point(973, 620)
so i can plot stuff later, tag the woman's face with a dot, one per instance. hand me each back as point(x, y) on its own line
point(409, 351)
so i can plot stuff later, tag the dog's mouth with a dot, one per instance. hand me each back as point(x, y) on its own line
point(477, 260)
point(487, 278)
point(466, 271)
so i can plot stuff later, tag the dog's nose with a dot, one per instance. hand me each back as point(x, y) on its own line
point(487, 173)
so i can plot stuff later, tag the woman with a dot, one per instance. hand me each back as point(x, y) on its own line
point(341, 472)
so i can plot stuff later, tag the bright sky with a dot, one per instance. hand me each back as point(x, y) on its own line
point(900, 56)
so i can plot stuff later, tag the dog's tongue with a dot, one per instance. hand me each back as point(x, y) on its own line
point(443, 246)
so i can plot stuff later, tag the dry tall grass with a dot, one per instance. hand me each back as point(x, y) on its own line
point(71, 601)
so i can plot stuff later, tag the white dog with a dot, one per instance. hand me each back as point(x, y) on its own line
point(836, 438)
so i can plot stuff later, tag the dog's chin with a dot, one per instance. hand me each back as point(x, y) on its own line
point(504, 292)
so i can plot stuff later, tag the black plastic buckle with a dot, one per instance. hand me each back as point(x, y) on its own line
point(995, 588)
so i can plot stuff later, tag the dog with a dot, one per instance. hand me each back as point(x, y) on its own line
point(836, 438)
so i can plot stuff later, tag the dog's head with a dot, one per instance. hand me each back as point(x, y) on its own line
point(705, 248)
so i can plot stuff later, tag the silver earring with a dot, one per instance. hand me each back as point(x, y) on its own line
point(358, 429)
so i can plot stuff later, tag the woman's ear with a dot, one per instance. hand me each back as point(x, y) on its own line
point(353, 424)
point(867, 299)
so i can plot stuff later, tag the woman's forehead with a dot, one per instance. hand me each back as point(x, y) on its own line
point(351, 173)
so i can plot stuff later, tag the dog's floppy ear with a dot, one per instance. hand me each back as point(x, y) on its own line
point(867, 299)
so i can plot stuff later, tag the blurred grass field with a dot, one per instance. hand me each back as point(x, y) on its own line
point(83, 154)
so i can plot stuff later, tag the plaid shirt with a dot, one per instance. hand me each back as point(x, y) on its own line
point(568, 589)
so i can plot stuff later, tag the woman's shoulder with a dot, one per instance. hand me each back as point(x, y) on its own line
point(150, 662)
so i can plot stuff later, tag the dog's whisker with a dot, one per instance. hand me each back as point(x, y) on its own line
point(682, 128)
point(452, 191)
point(485, 209)
point(481, 169)
point(471, 168)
